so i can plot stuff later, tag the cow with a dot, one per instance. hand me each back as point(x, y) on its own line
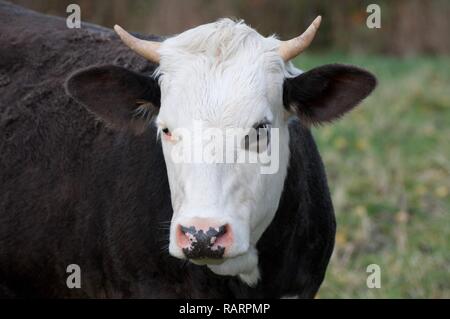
point(88, 178)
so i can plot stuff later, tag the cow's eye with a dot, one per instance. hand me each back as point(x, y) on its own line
point(262, 126)
point(259, 137)
point(262, 130)
point(166, 131)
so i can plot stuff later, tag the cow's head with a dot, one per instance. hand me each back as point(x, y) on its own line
point(227, 77)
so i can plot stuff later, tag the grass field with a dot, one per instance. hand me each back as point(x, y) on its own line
point(388, 164)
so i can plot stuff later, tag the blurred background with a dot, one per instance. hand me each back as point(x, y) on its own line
point(388, 161)
point(408, 26)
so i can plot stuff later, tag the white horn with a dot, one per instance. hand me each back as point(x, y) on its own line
point(291, 48)
point(147, 49)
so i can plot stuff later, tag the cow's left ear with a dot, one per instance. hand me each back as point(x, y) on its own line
point(327, 92)
point(120, 97)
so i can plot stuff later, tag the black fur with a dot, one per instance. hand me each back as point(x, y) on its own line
point(75, 191)
point(325, 93)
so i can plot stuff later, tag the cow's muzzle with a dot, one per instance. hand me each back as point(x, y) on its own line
point(204, 241)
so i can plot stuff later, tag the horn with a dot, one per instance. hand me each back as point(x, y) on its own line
point(147, 49)
point(291, 48)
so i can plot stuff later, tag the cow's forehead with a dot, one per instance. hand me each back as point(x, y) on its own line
point(220, 41)
point(225, 49)
point(218, 98)
point(223, 72)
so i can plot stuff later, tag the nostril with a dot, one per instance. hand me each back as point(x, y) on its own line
point(217, 231)
point(223, 237)
point(185, 236)
point(223, 230)
point(185, 230)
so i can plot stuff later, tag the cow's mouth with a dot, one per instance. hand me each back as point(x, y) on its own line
point(207, 261)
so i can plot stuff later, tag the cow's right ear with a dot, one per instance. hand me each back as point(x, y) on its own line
point(122, 98)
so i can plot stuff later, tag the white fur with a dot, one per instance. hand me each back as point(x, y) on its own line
point(224, 75)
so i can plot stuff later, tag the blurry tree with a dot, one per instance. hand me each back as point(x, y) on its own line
point(408, 26)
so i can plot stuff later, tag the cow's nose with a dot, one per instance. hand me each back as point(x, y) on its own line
point(200, 240)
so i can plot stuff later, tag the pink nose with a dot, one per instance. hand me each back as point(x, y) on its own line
point(203, 238)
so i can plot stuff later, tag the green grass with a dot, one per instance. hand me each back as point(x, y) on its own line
point(388, 164)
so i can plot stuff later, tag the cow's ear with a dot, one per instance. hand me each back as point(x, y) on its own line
point(327, 92)
point(122, 98)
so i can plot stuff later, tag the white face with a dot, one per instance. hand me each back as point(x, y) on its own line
point(237, 84)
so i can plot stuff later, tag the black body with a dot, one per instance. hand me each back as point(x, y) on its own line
point(74, 191)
